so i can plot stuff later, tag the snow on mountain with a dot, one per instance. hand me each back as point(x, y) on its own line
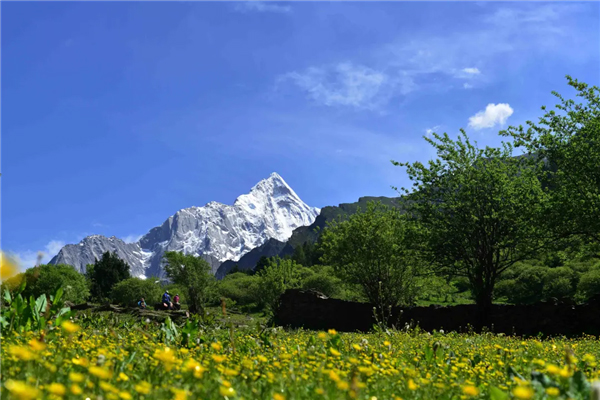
point(217, 232)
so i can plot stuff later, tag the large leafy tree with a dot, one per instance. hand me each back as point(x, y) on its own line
point(568, 138)
point(371, 249)
point(193, 273)
point(479, 209)
point(105, 273)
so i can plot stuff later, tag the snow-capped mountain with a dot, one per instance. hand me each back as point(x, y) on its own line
point(217, 232)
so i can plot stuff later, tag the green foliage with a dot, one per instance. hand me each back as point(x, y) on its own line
point(23, 314)
point(324, 280)
point(194, 274)
point(45, 279)
point(276, 277)
point(370, 249)
point(480, 210)
point(106, 272)
point(589, 284)
point(568, 138)
point(241, 288)
point(130, 291)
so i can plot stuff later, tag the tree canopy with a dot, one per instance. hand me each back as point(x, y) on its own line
point(105, 273)
point(480, 210)
point(568, 139)
point(193, 273)
point(371, 249)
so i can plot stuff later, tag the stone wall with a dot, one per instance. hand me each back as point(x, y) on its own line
point(312, 310)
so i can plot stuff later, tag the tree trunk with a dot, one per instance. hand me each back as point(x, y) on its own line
point(484, 307)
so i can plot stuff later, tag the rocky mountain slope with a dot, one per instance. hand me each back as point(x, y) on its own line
point(217, 232)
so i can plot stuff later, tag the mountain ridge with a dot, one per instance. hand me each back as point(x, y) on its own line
point(217, 232)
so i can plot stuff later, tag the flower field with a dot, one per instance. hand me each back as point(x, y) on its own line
point(149, 361)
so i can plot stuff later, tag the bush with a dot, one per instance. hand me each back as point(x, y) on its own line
point(276, 278)
point(324, 281)
point(525, 287)
point(559, 282)
point(240, 287)
point(46, 279)
point(589, 284)
point(129, 291)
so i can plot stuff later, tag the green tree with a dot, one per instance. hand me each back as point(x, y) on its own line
point(299, 256)
point(371, 249)
point(589, 284)
point(106, 272)
point(130, 291)
point(46, 279)
point(569, 140)
point(276, 277)
point(192, 272)
point(480, 211)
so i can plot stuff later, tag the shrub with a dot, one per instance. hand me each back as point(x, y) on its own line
point(324, 281)
point(46, 279)
point(239, 287)
point(130, 291)
point(276, 278)
point(559, 282)
point(525, 287)
point(589, 284)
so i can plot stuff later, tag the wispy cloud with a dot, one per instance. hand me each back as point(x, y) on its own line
point(425, 62)
point(348, 84)
point(132, 238)
point(29, 258)
point(429, 131)
point(494, 114)
point(471, 71)
point(261, 6)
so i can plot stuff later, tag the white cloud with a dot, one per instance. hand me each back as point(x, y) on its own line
point(29, 258)
point(132, 238)
point(471, 71)
point(429, 131)
point(261, 6)
point(467, 86)
point(348, 84)
point(494, 114)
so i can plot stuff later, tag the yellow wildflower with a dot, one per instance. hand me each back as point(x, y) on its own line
point(412, 385)
point(143, 387)
point(470, 390)
point(76, 377)
point(552, 391)
point(8, 267)
point(36, 345)
point(21, 353)
point(76, 390)
point(21, 390)
point(100, 372)
point(226, 391)
point(70, 327)
point(57, 389)
point(523, 392)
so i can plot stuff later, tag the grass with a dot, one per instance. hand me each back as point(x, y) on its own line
point(117, 357)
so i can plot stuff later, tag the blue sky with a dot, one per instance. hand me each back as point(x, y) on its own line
point(115, 115)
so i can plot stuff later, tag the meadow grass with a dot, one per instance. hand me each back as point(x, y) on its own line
point(102, 359)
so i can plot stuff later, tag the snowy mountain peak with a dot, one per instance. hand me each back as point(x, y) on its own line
point(218, 232)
